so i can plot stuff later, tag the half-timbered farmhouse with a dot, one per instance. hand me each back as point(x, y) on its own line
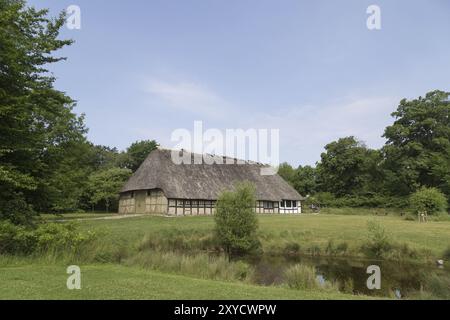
point(160, 186)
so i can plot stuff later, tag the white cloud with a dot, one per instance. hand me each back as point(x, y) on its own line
point(304, 131)
point(189, 96)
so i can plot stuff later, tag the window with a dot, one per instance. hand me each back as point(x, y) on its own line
point(132, 194)
point(268, 205)
point(187, 203)
point(294, 203)
point(288, 203)
point(180, 203)
point(172, 203)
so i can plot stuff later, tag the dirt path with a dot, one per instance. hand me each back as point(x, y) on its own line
point(122, 216)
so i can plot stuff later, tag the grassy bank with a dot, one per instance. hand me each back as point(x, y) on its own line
point(312, 233)
point(120, 282)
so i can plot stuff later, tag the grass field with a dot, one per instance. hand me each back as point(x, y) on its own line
point(276, 230)
point(108, 274)
point(119, 282)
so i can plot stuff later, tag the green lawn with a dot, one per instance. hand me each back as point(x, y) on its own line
point(305, 229)
point(119, 282)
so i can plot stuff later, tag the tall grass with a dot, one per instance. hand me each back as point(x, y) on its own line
point(198, 265)
point(304, 277)
point(180, 240)
point(301, 277)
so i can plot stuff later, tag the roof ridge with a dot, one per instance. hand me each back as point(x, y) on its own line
point(212, 155)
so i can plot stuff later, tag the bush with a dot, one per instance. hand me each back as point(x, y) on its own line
point(45, 237)
point(236, 222)
point(301, 277)
point(16, 239)
point(430, 200)
point(15, 209)
point(378, 244)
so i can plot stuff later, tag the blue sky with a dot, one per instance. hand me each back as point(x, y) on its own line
point(141, 69)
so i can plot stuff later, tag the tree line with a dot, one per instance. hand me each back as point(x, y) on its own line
point(416, 155)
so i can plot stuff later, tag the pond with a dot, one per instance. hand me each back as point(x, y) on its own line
point(398, 279)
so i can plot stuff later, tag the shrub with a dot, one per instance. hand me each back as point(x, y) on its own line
point(301, 277)
point(430, 200)
point(45, 237)
point(15, 209)
point(16, 239)
point(378, 244)
point(236, 222)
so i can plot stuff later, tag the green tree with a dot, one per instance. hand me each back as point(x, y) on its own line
point(305, 180)
point(286, 171)
point(103, 157)
point(104, 186)
point(137, 152)
point(37, 124)
point(348, 167)
point(235, 220)
point(430, 200)
point(417, 151)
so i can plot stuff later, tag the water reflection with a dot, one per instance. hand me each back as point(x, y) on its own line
point(397, 278)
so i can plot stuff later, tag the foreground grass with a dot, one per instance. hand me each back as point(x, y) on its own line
point(120, 282)
point(276, 231)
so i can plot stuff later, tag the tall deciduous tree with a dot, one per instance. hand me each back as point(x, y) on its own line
point(348, 167)
point(417, 150)
point(137, 152)
point(36, 121)
point(104, 186)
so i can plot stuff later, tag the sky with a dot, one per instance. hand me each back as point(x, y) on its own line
point(141, 69)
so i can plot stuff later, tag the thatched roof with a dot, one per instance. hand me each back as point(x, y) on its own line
point(205, 181)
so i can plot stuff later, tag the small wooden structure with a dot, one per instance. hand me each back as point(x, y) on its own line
point(423, 216)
